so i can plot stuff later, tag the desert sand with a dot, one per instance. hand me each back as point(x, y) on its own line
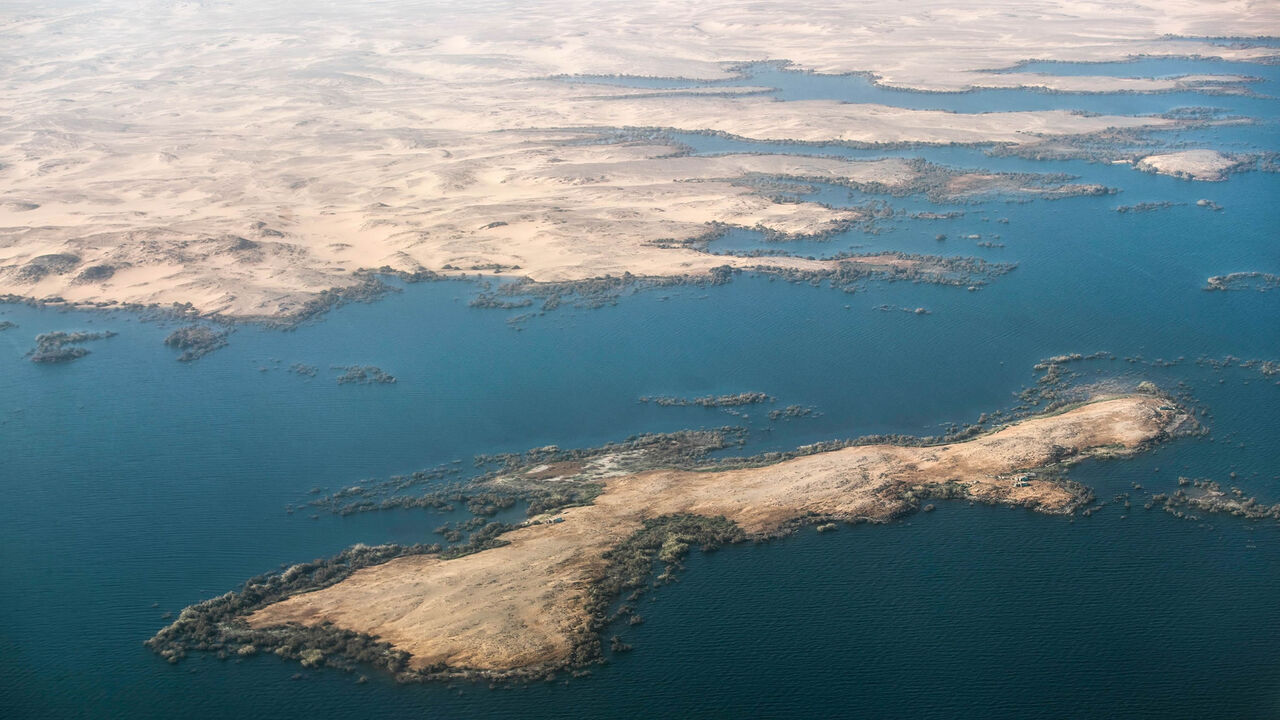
point(244, 157)
point(524, 604)
point(1205, 165)
point(553, 210)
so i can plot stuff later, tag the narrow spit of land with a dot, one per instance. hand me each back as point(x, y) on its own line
point(532, 604)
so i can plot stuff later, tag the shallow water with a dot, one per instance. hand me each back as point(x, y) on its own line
point(786, 84)
point(130, 479)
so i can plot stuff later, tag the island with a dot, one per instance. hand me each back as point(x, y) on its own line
point(196, 341)
point(62, 347)
point(523, 601)
point(1205, 165)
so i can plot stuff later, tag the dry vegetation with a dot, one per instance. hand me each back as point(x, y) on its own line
point(535, 602)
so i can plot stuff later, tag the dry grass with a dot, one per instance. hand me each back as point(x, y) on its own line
point(524, 604)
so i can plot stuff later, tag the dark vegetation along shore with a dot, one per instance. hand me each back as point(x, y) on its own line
point(727, 402)
point(664, 540)
point(1131, 145)
point(534, 478)
point(1268, 368)
point(846, 272)
point(547, 482)
point(362, 375)
point(792, 412)
point(212, 625)
point(1057, 388)
point(937, 183)
point(711, 401)
point(940, 183)
point(57, 347)
point(217, 625)
point(196, 341)
point(369, 287)
point(1259, 281)
point(1202, 495)
point(885, 307)
point(1148, 207)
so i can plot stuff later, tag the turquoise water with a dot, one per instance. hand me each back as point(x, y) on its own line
point(792, 85)
point(130, 479)
point(1258, 103)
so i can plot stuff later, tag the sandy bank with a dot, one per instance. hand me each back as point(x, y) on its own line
point(525, 604)
point(548, 206)
point(243, 162)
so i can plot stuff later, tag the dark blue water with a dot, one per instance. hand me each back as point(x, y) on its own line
point(130, 479)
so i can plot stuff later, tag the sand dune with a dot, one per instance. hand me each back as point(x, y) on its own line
point(551, 206)
point(146, 141)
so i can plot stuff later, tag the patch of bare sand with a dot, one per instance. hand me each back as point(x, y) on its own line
point(1208, 165)
point(545, 206)
point(524, 604)
point(145, 139)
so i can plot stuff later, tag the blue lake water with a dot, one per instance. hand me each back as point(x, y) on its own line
point(785, 84)
point(131, 480)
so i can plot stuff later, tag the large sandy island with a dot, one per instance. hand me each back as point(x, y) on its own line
point(525, 605)
point(243, 158)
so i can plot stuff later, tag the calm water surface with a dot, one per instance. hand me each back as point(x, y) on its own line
point(134, 485)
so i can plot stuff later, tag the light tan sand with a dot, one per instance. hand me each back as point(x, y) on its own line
point(142, 135)
point(523, 604)
point(542, 204)
point(1209, 165)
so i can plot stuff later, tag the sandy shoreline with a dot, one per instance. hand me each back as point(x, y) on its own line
point(244, 163)
point(524, 605)
point(555, 211)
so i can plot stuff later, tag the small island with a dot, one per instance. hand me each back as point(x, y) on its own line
point(61, 347)
point(362, 375)
point(710, 401)
point(196, 341)
point(1252, 280)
